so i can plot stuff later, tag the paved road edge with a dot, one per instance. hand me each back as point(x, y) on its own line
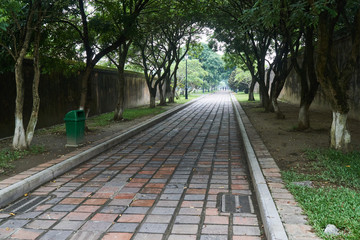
point(273, 226)
point(17, 190)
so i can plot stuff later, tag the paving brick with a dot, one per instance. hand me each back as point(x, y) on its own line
point(192, 204)
point(117, 236)
point(164, 203)
point(77, 216)
point(14, 223)
point(68, 225)
point(214, 237)
point(216, 220)
point(158, 218)
point(87, 208)
point(135, 218)
point(246, 238)
point(124, 227)
point(147, 236)
point(142, 203)
point(182, 237)
point(187, 219)
point(40, 224)
point(86, 235)
point(26, 234)
point(75, 201)
point(190, 211)
point(56, 234)
point(104, 217)
point(52, 215)
point(96, 226)
point(163, 210)
point(250, 221)
point(184, 229)
point(63, 208)
point(95, 201)
point(214, 229)
point(153, 228)
point(246, 230)
point(212, 211)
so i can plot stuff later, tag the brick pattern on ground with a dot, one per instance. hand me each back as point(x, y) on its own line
point(291, 214)
point(160, 184)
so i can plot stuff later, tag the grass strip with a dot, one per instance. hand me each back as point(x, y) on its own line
point(335, 199)
point(8, 156)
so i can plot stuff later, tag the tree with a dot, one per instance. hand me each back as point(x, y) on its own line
point(238, 21)
point(240, 80)
point(195, 74)
point(214, 65)
point(335, 18)
point(124, 16)
point(21, 27)
point(90, 25)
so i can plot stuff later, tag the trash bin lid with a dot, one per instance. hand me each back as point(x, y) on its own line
point(75, 115)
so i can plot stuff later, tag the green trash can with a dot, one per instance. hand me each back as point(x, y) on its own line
point(75, 127)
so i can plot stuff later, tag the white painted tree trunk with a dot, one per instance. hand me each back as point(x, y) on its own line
point(340, 136)
point(19, 141)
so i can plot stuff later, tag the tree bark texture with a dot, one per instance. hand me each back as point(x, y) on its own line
point(35, 90)
point(119, 108)
point(19, 139)
point(340, 137)
point(251, 90)
point(334, 79)
point(308, 80)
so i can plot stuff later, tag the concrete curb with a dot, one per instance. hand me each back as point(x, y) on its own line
point(15, 191)
point(274, 229)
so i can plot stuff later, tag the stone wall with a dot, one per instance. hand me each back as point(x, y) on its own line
point(60, 93)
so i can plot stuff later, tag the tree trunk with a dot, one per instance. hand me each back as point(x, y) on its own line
point(84, 88)
point(152, 101)
point(303, 118)
point(19, 141)
point(340, 136)
point(161, 93)
point(334, 79)
point(123, 52)
point(173, 90)
point(308, 79)
point(265, 100)
point(119, 109)
point(35, 91)
point(251, 90)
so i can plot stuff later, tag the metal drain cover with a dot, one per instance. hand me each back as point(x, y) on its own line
point(232, 203)
point(26, 204)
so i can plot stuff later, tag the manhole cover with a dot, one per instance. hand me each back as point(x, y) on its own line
point(232, 203)
point(25, 204)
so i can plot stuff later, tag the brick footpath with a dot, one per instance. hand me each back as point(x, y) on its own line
point(160, 184)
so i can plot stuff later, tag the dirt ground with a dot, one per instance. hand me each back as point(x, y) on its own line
point(285, 145)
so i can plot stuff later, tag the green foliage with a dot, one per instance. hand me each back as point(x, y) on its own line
point(8, 156)
point(214, 65)
point(239, 80)
point(195, 74)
